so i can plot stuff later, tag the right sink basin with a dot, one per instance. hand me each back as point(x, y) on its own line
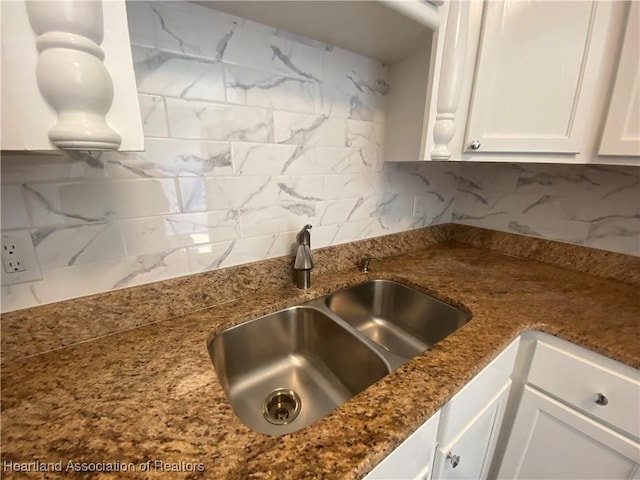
point(402, 320)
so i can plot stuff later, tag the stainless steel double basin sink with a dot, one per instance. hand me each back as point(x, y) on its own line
point(283, 371)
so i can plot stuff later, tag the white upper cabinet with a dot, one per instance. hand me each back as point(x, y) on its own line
point(422, 109)
point(67, 77)
point(621, 135)
point(536, 71)
point(518, 81)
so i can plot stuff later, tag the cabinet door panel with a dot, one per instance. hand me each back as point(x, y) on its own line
point(413, 459)
point(621, 134)
point(550, 440)
point(536, 63)
point(475, 443)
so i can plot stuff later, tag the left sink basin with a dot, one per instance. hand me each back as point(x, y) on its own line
point(283, 371)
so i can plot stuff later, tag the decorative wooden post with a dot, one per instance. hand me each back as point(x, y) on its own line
point(451, 75)
point(71, 74)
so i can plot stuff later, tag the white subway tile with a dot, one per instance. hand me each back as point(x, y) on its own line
point(220, 193)
point(251, 159)
point(549, 228)
point(64, 203)
point(90, 278)
point(190, 29)
point(616, 233)
point(334, 102)
point(364, 134)
point(269, 159)
point(332, 212)
point(430, 176)
point(324, 235)
point(140, 18)
point(439, 209)
point(353, 73)
point(218, 121)
point(264, 89)
point(348, 185)
point(361, 229)
point(348, 160)
point(276, 218)
point(70, 245)
point(306, 188)
point(14, 211)
point(168, 74)
point(58, 166)
point(490, 220)
point(307, 129)
point(159, 234)
point(154, 118)
point(481, 177)
point(148, 268)
point(248, 48)
point(17, 297)
point(296, 59)
point(165, 157)
point(244, 250)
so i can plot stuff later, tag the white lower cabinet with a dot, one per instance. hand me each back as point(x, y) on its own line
point(413, 458)
point(550, 440)
point(578, 418)
point(557, 411)
point(468, 425)
point(469, 454)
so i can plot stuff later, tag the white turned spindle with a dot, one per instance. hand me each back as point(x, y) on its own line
point(451, 75)
point(71, 74)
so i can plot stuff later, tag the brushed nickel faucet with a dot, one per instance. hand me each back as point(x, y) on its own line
point(304, 261)
point(364, 263)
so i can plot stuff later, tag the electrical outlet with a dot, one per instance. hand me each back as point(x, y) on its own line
point(19, 260)
point(419, 205)
point(11, 256)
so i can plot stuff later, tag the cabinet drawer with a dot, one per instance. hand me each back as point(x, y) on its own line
point(577, 376)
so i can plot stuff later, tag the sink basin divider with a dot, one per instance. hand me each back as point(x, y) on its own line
point(392, 360)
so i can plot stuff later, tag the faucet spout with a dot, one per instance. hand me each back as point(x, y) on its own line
point(304, 261)
point(364, 263)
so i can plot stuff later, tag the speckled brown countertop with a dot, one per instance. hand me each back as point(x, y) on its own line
point(151, 393)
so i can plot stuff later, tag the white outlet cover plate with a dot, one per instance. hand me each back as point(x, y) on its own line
point(24, 244)
point(419, 205)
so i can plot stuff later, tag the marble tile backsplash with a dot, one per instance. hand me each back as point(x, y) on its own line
point(250, 133)
point(592, 205)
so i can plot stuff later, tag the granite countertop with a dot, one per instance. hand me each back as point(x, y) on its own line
point(151, 393)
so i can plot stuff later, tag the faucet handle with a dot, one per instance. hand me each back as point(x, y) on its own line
point(304, 237)
point(364, 263)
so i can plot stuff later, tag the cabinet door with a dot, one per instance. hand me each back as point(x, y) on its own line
point(621, 135)
point(536, 71)
point(469, 455)
point(413, 459)
point(550, 440)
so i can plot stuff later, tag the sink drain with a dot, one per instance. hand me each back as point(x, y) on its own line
point(281, 406)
